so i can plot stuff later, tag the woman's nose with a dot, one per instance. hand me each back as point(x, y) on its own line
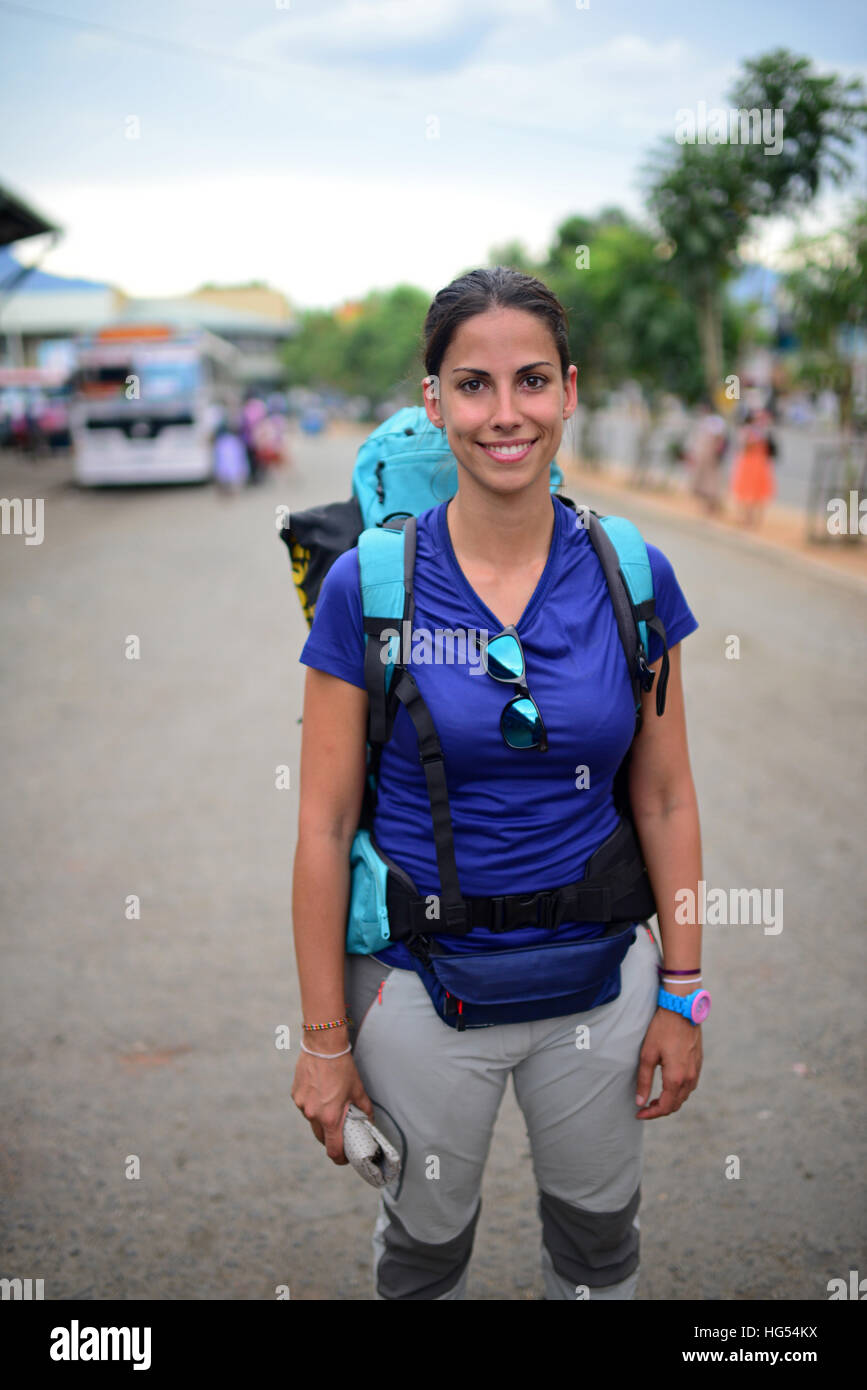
point(505, 413)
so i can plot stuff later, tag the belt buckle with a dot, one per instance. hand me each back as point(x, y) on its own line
point(519, 902)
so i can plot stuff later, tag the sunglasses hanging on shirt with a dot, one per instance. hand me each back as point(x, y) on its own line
point(521, 722)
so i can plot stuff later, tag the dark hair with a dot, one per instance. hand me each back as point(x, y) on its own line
point(481, 290)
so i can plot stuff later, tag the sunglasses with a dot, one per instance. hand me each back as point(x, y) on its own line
point(520, 723)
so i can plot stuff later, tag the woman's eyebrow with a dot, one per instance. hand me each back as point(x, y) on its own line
point(480, 371)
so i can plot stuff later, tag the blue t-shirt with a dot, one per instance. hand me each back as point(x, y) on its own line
point(523, 821)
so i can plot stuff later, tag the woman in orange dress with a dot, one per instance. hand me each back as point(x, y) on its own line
point(753, 483)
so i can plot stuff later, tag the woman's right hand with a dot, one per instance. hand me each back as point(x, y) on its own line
point(323, 1090)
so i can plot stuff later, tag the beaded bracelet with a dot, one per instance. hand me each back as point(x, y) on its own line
point(317, 1027)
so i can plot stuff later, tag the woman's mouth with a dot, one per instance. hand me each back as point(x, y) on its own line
point(508, 453)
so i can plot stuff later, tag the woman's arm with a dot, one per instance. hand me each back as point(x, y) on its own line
point(333, 769)
point(665, 811)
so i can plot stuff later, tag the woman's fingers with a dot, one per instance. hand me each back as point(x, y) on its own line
point(646, 1067)
point(671, 1097)
point(360, 1098)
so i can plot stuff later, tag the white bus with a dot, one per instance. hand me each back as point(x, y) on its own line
point(146, 400)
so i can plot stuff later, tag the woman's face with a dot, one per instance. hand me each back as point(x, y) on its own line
point(502, 398)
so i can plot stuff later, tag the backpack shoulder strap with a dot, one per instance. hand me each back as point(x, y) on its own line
point(626, 565)
point(386, 558)
point(386, 562)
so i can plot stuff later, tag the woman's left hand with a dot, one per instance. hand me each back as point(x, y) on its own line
point(674, 1044)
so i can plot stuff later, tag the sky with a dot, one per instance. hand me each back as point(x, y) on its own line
point(332, 147)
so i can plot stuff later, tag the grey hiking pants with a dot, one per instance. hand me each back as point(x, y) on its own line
point(436, 1094)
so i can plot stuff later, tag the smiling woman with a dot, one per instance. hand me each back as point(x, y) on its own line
point(539, 963)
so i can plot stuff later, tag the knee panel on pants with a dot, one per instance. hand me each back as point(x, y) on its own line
point(596, 1248)
point(412, 1269)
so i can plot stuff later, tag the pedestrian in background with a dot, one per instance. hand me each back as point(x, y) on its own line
point(753, 484)
point(705, 454)
point(253, 411)
point(231, 469)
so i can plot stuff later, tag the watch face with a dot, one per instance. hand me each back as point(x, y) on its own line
point(700, 1006)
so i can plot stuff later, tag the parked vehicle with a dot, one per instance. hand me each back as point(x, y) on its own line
point(147, 401)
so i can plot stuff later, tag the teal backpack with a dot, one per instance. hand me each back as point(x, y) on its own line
point(403, 468)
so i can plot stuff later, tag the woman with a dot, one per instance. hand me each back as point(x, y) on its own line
point(706, 452)
point(501, 551)
point(753, 484)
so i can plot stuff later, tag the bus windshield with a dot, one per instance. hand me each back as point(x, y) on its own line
point(161, 379)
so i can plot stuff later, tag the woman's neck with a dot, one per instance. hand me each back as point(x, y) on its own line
point(505, 531)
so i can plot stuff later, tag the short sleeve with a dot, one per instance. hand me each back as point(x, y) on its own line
point(336, 640)
point(672, 608)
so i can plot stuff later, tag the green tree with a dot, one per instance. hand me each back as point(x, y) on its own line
point(627, 318)
point(822, 119)
point(383, 346)
point(701, 202)
point(827, 294)
point(513, 254)
point(376, 353)
point(705, 197)
point(313, 356)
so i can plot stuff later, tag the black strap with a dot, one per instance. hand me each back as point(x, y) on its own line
point(646, 611)
point(656, 624)
point(453, 907)
point(373, 677)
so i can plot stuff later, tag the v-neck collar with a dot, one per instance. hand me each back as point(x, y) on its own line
point(542, 585)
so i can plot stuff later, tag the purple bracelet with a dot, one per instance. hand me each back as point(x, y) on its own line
point(661, 970)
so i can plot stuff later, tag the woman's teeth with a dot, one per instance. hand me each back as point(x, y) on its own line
point(507, 450)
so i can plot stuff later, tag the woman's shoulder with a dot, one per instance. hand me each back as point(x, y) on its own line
point(661, 566)
point(343, 577)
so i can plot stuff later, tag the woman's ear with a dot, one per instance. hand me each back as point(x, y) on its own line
point(431, 395)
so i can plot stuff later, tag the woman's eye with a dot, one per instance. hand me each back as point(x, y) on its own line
point(476, 381)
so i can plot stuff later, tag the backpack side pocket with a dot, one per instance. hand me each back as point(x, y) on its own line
point(367, 928)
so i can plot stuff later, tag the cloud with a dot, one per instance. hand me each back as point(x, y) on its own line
point(496, 62)
point(396, 36)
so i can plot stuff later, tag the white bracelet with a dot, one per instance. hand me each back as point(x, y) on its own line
point(670, 981)
point(327, 1055)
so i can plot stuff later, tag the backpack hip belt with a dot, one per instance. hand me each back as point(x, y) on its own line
point(615, 890)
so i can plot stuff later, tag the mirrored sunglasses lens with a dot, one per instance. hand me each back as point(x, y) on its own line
point(505, 660)
point(521, 723)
